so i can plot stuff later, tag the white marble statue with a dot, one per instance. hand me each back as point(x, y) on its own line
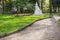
point(38, 11)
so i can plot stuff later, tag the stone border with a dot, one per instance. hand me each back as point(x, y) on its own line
point(19, 30)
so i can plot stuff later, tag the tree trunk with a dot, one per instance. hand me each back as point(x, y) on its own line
point(50, 6)
point(3, 6)
point(42, 4)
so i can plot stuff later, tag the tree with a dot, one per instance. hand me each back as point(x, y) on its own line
point(8, 5)
point(19, 4)
point(29, 4)
point(3, 6)
point(50, 6)
point(42, 1)
point(55, 4)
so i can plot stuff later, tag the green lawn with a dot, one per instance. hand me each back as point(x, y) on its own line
point(58, 20)
point(10, 23)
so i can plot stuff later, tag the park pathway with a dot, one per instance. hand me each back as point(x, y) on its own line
point(41, 30)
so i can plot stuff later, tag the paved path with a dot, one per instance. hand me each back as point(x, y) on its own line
point(41, 30)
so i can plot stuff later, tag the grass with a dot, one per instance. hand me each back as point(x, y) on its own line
point(58, 14)
point(58, 20)
point(55, 14)
point(10, 23)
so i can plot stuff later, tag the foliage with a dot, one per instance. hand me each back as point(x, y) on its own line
point(55, 4)
point(59, 20)
point(8, 5)
point(24, 4)
point(20, 5)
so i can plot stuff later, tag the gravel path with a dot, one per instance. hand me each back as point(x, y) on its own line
point(41, 30)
